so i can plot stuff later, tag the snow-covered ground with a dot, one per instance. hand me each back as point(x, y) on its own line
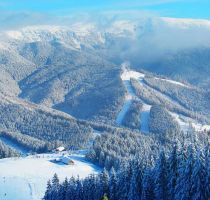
point(126, 76)
point(184, 125)
point(26, 178)
point(123, 111)
point(145, 118)
point(173, 82)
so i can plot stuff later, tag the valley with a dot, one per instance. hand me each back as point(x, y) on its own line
point(86, 89)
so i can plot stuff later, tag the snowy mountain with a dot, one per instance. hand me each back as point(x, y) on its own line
point(125, 87)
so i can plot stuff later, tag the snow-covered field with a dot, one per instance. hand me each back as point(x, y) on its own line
point(26, 178)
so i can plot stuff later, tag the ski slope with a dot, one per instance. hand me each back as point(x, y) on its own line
point(145, 118)
point(173, 82)
point(126, 77)
point(26, 178)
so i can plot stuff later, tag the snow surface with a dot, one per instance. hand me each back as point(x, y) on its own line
point(26, 178)
point(126, 76)
point(123, 111)
point(145, 118)
point(184, 125)
point(173, 82)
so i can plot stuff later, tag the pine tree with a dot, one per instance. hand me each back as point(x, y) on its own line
point(124, 181)
point(135, 189)
point(161, 189)
point(198, 179)
point(48, 195)
point(70, 193)
point(148, 186)
point(55, 187)
point(188, 173)
point(184, 181)
point(172, 173)
point(104, 182)
point(180, 181)
point(91, 188)
point(79, 190)
point(113, 185)
point(63, 189)
point(207, 171)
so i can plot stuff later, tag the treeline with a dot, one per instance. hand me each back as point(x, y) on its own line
point(6, 151)
point(182, 175)
point(132, 117)
point(194, 99)
point(161, 121)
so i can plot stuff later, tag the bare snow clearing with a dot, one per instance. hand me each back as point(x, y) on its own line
point(26, 178)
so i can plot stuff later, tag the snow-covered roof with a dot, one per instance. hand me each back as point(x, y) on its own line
point(60, 148)
point(66, 160)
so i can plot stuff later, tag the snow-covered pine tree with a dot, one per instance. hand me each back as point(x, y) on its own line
point(79, 190)
point(113, 185)
point(188, 172)
point(48, 192)
point(198, 190)
point(125, 175)
point(180, 181)
point(71, 190)
point(104, 183)
point(55, 187)
point(172, 172)
point(92, 188)
point(161, 173)
point(148, 186)
point(63, 189)
point(135, 189)
point(207, 167)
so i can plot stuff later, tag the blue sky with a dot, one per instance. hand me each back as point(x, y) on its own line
point(170, 8)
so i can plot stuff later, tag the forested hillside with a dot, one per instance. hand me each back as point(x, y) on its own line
point(42, 124)
point(181, 175)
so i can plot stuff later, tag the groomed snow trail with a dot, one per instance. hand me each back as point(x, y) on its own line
point(26, 178)
point(145, 118)
point(126, 77)
point(123, 111)
point(174, 82)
